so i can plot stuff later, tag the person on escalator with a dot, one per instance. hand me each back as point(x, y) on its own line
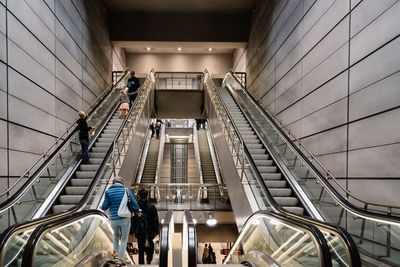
point(133, 85)
point(84, 130)
point(120, 225)
point(146, 231)
point(158, 127)
point(152, 129)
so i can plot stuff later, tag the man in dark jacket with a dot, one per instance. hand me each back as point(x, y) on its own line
point(84, 136)
point(133, 85)
point(151, 127)
point(150, 211)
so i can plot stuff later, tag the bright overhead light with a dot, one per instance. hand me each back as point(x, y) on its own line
point(194, 221)
point(148, 48)
point(211, 221)
point(179, 49)
point(210, 49)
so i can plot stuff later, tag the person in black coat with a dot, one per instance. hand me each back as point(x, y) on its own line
point(84, 136)
point(133, 85)
point(150, 212)
point(152, 129)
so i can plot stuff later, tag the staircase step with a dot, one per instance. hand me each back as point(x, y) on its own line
point(81, 182)
point(286, 201)
point(275, 183)
point(76, 190)
point(281, 192)
point(91, 167)
point(295, 210)
point(271, 176)
point(267, 169)
point(70, 199)
point(61, 208)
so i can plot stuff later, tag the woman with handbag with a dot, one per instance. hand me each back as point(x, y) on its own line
point(116, 198)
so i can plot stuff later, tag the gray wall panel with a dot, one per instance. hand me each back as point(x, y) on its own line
point(375, 131)
point(290, 114)
point(336, 163)
point(3, 106)
point(3, 168)
point(37, 119)
point(328, 117)
point(3, 45)
point(290, 61)
point(330, 44)
point(24, 139)
point(329, 93)
point(30, 44)
point(377, 33)
point(290, 79)
point(367, 189)
point(3, 137)
point(67, 77)
point(328, 142)
point(288, 97)
point(315, 13)
point(24, 63)
point(44, 12)
point(30, 20)
point(2, 19)
point(380, 64)
point(68, 23)
point(384, 158)
point(68, 42)
point(366, 12)
point(27, 91)
point(68, 59)
point(3, 77)
point(332, 66)
point(377, 97)
point(19, 161)
point(65, 113)
point(64, 93)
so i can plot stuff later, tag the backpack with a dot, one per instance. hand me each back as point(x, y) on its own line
point(139, 226)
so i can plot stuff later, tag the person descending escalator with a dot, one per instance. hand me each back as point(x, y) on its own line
point(84, 130)
point(145, 231)
point(158, 128)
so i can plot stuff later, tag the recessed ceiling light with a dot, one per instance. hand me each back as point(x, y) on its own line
point(148, 48)
point(179, 49)
point(210, 49)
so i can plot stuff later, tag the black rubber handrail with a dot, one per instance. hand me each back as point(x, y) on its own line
point(349, 242)
point(22, 190)
point(345, 236)
point(36, 236)
point(27, 225)
point(164, 246)
point(192, 239)
point(374, 215)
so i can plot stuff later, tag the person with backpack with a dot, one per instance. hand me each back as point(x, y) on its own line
point(120, 225)
point(146, 227)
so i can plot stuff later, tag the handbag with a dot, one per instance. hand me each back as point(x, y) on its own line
point(126, 205)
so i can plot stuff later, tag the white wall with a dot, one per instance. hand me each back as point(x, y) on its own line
point(217, 64)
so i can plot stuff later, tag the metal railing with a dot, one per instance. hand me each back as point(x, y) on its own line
point(179, 80)
point(181, 196)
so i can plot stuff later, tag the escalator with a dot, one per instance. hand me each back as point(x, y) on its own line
point(266, 239)
point(372, 226)
point(150, 167)
point(341, 246)
point(13, 239)
point(273, 178)
point(81, 179)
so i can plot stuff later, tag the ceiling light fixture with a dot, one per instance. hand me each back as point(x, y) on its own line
point(179, 49)
point(148, 48)
point(211, 221)
point(210, 49)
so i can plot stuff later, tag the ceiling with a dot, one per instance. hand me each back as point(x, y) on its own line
point(172, 47)
point(181, 6)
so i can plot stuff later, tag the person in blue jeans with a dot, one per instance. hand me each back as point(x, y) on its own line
point(120, 225)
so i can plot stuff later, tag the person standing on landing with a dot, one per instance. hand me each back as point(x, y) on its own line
point(120, 225)
point(84, 136)
point(133, 85)
point(153, 230)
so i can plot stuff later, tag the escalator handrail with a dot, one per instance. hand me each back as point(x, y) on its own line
point(18, 227)
point(363, 213)
point(346, 238)
point(318, 236)
point(192, 239)
point(164, 234)
point(28, 184)
point(31, 244)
